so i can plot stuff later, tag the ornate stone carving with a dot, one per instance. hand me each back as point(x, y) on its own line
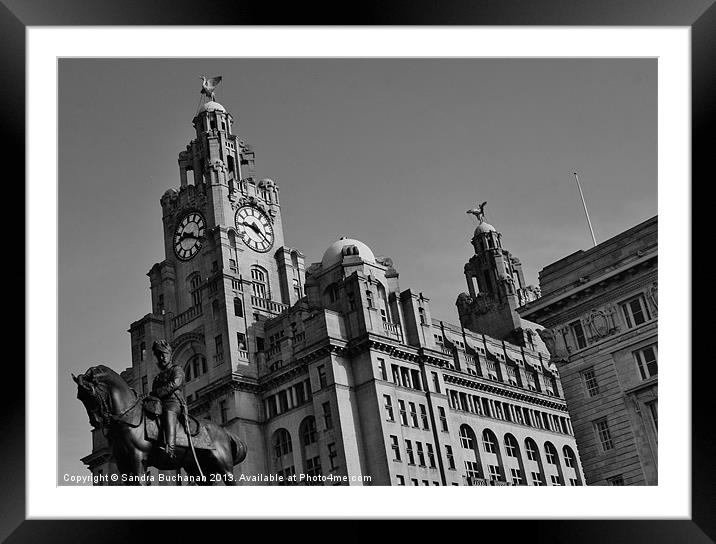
point(600, 323)
point(556, 351)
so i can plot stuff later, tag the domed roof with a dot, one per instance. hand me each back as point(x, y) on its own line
point(484, 227)
point(334, 253)
point(211, 106)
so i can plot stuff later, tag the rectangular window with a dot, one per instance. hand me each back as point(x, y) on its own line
point(396, 448)
point(635, 311)
point(238, 307)
point(573, 482)
point(424, 417)
point(450, 457)
point(516, 475)
point(421, 454)
point(494, 473)
point(512, 376)
point(219, 346)
point(409, 452)
point(431, 455)
point(436, 382)
point(332, 455)
point(616, 480)
point(401, 479)
point(511, 447)
point(578, 333)
point(396, 374)
point(322, 379)
point(388, 408)
point(537, 479)
point(313, 468)
point(472, 472)
point(414, 481)
point(590, 382)
point(555, 480)
point(531, 382)
point(381, 370)
point(327, 416)
point(241, 340)
point(601, 426)
point(413, 414)
point(492, 370)
point(282, 401)
point(403, 413)
point(300, 394)
point(646, 360)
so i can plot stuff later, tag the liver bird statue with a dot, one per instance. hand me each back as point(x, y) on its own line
point(479, 212)
point(208, 85)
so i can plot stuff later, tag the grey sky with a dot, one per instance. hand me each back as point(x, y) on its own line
point(389, 151)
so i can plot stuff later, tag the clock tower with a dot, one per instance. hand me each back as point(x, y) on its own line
point(224, 273)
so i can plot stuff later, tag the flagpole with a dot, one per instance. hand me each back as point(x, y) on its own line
point(586, 213)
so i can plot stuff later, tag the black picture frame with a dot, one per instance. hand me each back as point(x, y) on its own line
point(699, 15)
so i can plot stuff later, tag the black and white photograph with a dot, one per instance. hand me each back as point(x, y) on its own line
point(408, 272)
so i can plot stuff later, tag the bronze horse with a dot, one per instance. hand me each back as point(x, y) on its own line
point(116, 408)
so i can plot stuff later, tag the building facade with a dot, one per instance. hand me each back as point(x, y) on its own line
point(601, 309)
point(331, 373)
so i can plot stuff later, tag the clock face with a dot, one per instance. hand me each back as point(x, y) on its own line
point(189, 235)
point(255, 228)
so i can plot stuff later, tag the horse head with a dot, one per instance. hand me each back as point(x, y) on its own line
point(94, 392)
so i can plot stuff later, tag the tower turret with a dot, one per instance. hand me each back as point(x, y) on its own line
point(496, 285)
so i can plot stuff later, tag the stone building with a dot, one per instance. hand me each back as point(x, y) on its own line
point(331, 373)
point(601, 309)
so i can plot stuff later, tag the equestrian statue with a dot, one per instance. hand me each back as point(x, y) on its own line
point(155, 430)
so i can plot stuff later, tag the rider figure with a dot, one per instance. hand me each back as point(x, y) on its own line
point(167, 386)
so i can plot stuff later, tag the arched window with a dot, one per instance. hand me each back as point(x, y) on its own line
point(307, 431)
point(511, 446)
point(536, 469)
point(331, 293)
point(215, 308)
point(473, 466)
point(195, 367)
point(142, 351)
point(383, 303)
point(259, 277)
point(514, 466)
point(195, 289)
point(570, 461)
point(553, 459)
point(489, 441)
point(532, 451)
point(238, 307)
point(467, 437)
point(282, 443)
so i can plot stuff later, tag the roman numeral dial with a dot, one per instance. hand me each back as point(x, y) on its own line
point(189, 235)
point(255, 229)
